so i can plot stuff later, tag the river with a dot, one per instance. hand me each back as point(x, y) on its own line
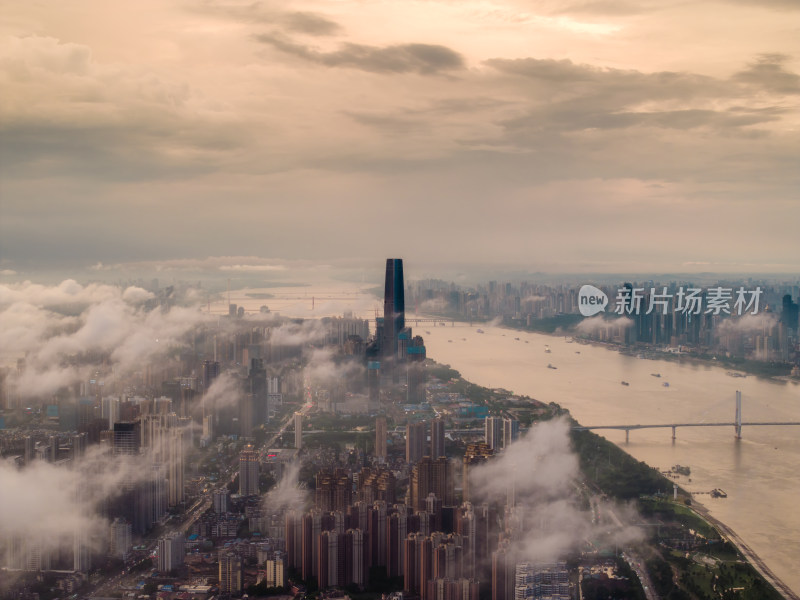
point(760, 473)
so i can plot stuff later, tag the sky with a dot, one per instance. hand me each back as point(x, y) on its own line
point(554, 136)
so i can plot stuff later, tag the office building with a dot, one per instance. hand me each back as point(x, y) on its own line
point(126, 438)
point(393, 307)
point(210, 371)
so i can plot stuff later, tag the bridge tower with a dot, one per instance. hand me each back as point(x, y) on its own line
point(738, 420)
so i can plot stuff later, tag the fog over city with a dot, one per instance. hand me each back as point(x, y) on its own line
point(217, 379)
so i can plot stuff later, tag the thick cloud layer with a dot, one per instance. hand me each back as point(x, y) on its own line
point(61, 330)
point(562, 135)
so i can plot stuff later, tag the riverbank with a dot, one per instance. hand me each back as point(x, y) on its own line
point(766, 370)
point(733, 368)
point(737, 368)
point(752, 558)
point(756, 472)
point(610, 471)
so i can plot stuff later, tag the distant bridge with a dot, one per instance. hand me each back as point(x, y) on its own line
point(737, 424)
point(440, 321)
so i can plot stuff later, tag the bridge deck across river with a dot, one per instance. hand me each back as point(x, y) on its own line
point(736, 425)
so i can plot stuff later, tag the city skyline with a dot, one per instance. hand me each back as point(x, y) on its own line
point(349, 449)
point(565, 137)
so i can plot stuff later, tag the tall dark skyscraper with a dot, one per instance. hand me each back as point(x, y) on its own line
point(394, 306)
point(789, 313)
point(126, 437)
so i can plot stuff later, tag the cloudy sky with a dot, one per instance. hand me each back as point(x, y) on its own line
point(558, 135)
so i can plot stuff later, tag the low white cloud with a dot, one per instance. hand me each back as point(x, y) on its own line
point(55, 327)
point(598, 324)
point(321, 368)
point(749, 323)
point(540, 471)
point(136, 295)
point(287, 493)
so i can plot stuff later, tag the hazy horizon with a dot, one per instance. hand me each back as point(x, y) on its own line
point(231, 273)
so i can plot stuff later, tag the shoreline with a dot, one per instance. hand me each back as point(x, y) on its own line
point(655, 354)
point(748, 553)
point(680, 358)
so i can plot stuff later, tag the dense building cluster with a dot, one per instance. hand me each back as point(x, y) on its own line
point(664, 317)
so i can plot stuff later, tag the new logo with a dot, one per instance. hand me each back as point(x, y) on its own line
point(591, 300)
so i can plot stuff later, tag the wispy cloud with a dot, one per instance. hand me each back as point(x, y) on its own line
point(424, 59)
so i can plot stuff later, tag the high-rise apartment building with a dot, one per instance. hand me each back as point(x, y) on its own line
point(333, 490)
point(221, 499)
point(376, 484)
point(503, 571)
point(437, 438)
point(175, 467)
point(510, 431)
point(248, 472)
point(298, 430)
point(230, 573)
point(415, 442)
point(431, 476)
point(171, 552)
point(475, 455)
point(121, 539)
point(542, 581)
point(381, 435)
point(493, 432)
point(275, 570)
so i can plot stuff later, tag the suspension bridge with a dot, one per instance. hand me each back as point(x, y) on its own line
point(737, 424)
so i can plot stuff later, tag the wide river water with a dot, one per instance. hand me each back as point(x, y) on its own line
point(760, 473)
